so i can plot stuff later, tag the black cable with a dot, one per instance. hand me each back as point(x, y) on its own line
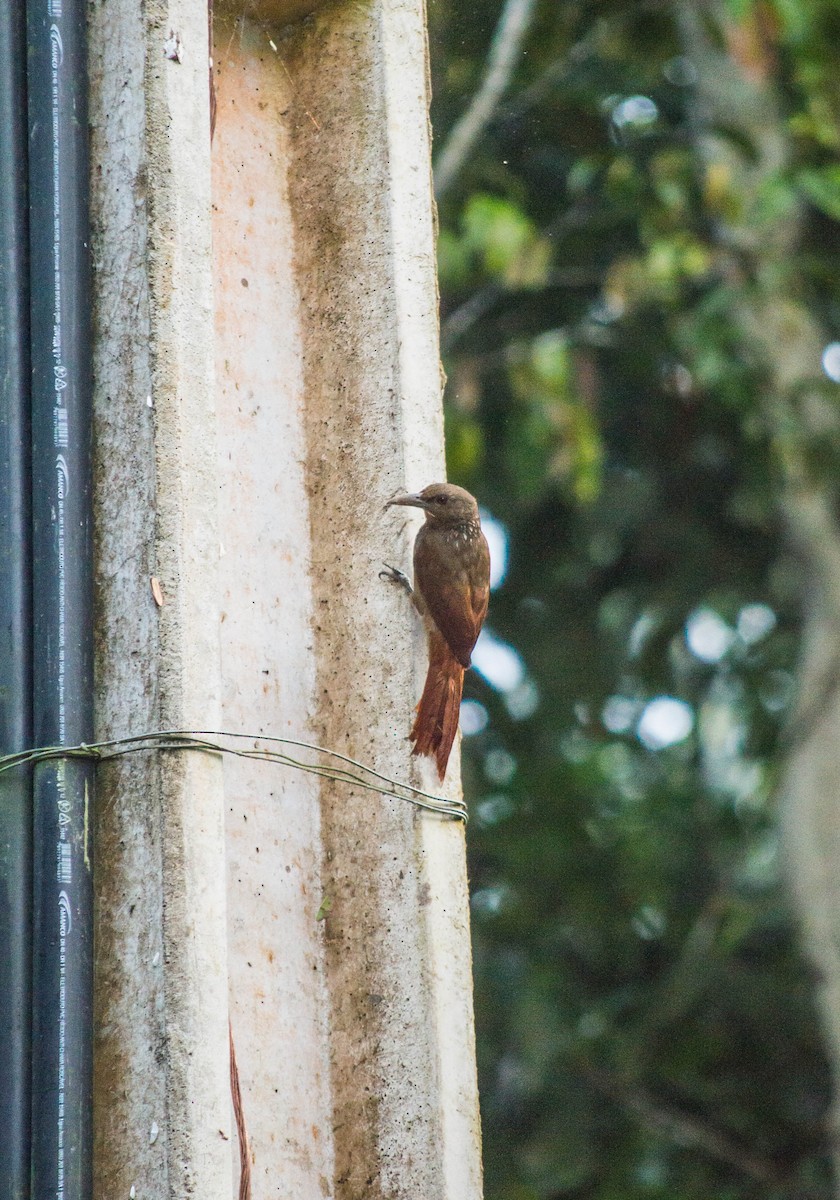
point(15, 613)
point(62, 589)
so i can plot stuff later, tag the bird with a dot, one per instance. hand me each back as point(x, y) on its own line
point(451, 592)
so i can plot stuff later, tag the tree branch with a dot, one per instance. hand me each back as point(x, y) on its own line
point(505, 49)
point(692, 1132)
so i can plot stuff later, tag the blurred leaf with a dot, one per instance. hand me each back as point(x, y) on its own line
point(822, 187)
point(504, 240)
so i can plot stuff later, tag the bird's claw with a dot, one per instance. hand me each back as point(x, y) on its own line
point(394, 575)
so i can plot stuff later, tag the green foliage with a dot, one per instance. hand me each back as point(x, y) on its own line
point(496, 241)
point(822, 187)
point(646, 1021)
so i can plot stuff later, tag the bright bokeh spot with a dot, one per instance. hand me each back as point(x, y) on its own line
point(831, 361)
point(499, 766)
point(636, 112)
point(755, 621)
point(498, 662)
point(474, 717)
point(493, 809)
point(643, 627)
point(708, 636)
point(523, 701)
point(619, 713)
point(489, 901)
point(497, 540)
point(665, 722)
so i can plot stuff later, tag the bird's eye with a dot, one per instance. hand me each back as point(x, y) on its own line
point(441, 499)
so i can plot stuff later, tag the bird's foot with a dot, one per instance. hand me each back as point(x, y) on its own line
point(393, 575)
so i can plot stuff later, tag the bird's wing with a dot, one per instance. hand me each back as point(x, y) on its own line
point(456, 589)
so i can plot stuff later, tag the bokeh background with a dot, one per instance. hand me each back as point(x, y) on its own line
point(639, 211)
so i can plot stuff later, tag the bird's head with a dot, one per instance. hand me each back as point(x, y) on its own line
point(443, 504)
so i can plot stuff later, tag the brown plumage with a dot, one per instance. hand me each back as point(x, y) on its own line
point(451, 591)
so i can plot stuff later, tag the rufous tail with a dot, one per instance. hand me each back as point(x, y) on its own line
point(440, 705)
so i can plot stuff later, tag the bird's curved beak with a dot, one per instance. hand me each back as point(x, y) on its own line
point(409, 500)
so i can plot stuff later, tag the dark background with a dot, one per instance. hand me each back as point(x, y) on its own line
point(656, 179)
